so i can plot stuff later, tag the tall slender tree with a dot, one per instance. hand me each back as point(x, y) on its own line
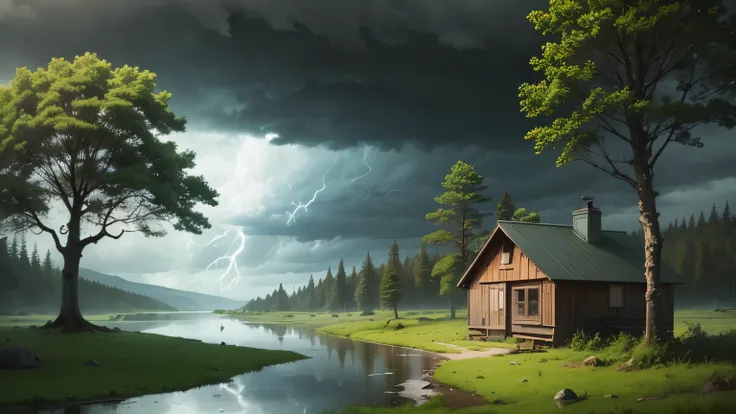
point(87, 135)
point(365, 292)
point(339, 298)
point(607, 92)
point(391, 280)
point(460, 217)
point(422, 273)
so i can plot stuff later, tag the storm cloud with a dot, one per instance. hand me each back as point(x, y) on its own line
point(415, 85)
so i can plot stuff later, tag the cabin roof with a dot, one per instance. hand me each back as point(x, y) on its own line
point(562, 255)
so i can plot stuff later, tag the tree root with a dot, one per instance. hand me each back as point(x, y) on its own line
point(73, 325)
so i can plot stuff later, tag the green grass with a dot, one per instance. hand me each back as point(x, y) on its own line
point(130, 364)
point(496, 380)
point(712, 322)
point(38, 320)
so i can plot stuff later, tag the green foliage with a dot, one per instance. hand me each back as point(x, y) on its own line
point(88, 135)
point(365, 292)
point(448, 270)
point(506, 208)
point(579, 341)
point(649, 355)
point(463, 192)
point(522, 215)
point(339, 295)
point(391, 279)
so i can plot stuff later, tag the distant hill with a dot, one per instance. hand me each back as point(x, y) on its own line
point(180, 299)
point(28, 284)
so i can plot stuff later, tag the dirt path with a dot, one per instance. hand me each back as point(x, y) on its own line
point(466, 353)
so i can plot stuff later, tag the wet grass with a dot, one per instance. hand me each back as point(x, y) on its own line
point(40, 319)
point(130, 364)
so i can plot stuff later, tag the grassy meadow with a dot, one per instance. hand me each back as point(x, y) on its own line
point(672, 377)
point(130, 364)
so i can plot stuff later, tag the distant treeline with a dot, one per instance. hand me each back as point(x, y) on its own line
point(344, 292)
point(28, 284)
point(703, 251)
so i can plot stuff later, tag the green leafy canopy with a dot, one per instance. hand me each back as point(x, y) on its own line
point(644, 73)
point(89, 135)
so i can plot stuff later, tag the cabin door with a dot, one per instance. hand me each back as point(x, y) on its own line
point(497, 314)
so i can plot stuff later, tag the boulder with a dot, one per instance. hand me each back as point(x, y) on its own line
point(592, 361)
point(714, 386)
point(566, 395)
point(627, 366)
point(18, 357)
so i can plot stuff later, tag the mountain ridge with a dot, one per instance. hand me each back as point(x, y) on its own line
point(182, 300)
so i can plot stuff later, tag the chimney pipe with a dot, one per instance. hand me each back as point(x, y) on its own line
point(586, 222)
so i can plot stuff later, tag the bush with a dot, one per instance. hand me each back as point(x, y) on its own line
point(595, 343)
point(622, 344)
point(645, 356)
point(290, 315)
point(334, 315)
point(579, 341)
point(367, 313)
point(312, 315)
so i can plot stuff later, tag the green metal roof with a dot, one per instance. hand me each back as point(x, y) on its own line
point(562, 255)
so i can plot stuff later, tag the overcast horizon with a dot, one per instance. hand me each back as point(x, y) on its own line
point(362, 109)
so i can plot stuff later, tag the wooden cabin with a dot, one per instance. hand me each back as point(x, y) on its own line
point(545, 282)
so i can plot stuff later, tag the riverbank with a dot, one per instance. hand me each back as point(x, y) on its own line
point(128, 364)
point(431, 331)
point(677, 379)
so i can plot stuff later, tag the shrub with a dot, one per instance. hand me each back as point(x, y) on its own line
point(367, 313)
point(290, 315)
point(645, 356)
point(579, 341)
point(312, 315)
point(622, 344)
point(595, 343)
point(334, 315)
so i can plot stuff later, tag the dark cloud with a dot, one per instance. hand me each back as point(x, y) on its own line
point(436, 81)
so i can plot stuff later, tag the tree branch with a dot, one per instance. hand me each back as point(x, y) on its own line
point(47, 229)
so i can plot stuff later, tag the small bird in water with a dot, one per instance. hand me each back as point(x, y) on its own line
point(222, 327)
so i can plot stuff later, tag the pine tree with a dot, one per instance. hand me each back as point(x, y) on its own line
point(311, 298)
point(391, 281)
point(23, 258)
point(48, 267)
point(691, 223)
point(35, 260)
point(422, 273)
point(338, 297)
point(365, 292)
point(350, 290)
point(328, 286)
point(506, 208)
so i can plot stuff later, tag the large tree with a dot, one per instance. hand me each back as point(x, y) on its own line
point(88, 136)
point(391, 280)
point(525, 216)
point(459, 215)
point(624, 79)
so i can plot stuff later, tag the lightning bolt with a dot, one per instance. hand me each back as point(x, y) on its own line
point(366, 151)
point(304, 206)
point(231, 257)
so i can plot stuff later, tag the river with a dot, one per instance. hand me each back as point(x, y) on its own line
point(338, 373)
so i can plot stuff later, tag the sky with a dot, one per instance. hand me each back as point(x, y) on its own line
point(358, 108)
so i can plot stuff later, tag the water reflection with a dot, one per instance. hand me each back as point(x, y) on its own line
point(309, 386)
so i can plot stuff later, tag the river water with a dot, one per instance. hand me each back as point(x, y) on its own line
point(338, 373)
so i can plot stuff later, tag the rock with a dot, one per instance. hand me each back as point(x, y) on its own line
point(566, 395)
point(714, 386)
point(480, 377)
point(513, 363)
point(627, 366)
point(592, 361)
point(524, 380)
point(18, 357)
point(427, 386)
point(610, 396)
point(91, 363)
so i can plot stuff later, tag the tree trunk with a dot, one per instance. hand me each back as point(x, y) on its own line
point(70, 318)
point(452, 310)
point(649, 219)
point(396, 312)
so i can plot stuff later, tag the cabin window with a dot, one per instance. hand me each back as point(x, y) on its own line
point(616, 296)
point(527, 302)
point(506, 252)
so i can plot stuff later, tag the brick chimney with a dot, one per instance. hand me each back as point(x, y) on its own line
point(586, 222)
